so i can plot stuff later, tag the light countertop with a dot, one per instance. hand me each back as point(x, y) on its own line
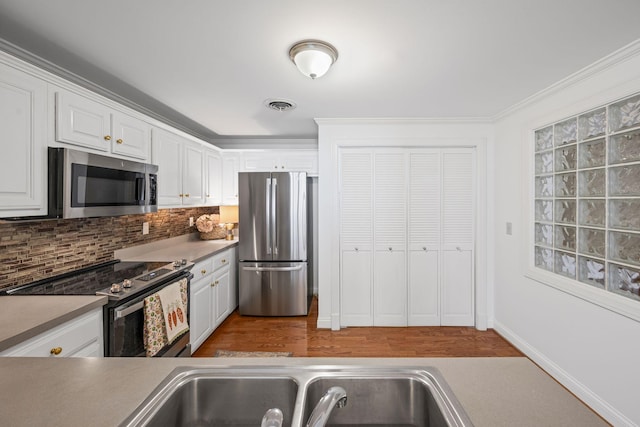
point(103, 392)
point(189, 247)
point(25, 316)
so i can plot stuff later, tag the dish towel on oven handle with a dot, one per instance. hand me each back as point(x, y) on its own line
point(158, 332)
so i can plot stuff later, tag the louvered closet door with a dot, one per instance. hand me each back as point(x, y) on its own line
point(424, 229)
point(458, 211)
point(390, 237)
point(356, 237)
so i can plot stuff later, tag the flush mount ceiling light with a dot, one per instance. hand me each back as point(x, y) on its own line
point(313, 57)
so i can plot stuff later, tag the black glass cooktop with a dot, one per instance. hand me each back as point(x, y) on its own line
point(87, 281)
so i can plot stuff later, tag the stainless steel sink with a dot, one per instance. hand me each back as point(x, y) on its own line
point(241, 395)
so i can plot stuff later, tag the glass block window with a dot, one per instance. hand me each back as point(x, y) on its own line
point(587, 198)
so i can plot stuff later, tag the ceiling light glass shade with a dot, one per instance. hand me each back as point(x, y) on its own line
point(313, 57)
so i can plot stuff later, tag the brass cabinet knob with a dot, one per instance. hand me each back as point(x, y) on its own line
point(180, 195)
point(56, 351)
point(187, 195)
point(203, 271)
point(107, 137)
point(208, 195)
point(223, 261)
point(119, 141)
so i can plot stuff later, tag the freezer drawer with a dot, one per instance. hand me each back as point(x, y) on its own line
point(273, 289)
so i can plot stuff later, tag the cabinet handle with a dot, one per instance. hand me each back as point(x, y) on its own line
point(223, 261)
point(390, 249)
point(424, 248)
point(118, 141)
point(203, 271)
point(208, 195)
point(458, 249)
point(356, 249)
point(180, 195)
point(214, 284)
point(107, 137)
point(56, 351)
point(187, 195)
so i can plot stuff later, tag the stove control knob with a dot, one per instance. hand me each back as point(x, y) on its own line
point(183, 262)
point(126, 283)
point(177, 263)
point(115, 288)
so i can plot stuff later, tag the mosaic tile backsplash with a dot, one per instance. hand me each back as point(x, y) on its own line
point(35, 250)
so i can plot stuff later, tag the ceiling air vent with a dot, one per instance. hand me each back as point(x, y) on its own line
point(280, 104)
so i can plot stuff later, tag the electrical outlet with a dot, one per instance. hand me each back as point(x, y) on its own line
point(190, 221)
point(145, 228)
point(509, 228)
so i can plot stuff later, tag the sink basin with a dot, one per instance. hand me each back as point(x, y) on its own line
point(205, 398)
point(380, 401)
point(240, 396)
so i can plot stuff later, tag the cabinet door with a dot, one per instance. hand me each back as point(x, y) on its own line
point(221, 289)
point(23, 164)
point(261, 161)
point(81, 121)
point(424, 228)
point(457, 288)
point(300, 161)
point(131, 137)
point(356, 307)
point(193, 191)
point(356, 237)
point(166, 152)
point(213, 182)
point(200, 312)
point(390, 288)
point(230, 163)
point(423, 292)
point(390, 231)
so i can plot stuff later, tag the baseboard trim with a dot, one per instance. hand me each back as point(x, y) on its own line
point(324, 322)
point(599, 405)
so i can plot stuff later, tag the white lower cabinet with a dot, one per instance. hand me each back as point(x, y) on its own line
point(389, 288)
point(212, 298)
point(79, 337)
point(424, 307)
point(356, 293)
point(457, 294)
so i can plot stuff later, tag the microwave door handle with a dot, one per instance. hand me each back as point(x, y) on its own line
point(140, 189)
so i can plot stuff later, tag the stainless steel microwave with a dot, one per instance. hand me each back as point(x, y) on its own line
point(83, 185)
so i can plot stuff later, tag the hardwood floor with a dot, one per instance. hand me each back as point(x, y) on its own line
point(300, 336)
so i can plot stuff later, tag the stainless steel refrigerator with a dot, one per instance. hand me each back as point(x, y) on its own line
point(273, 248)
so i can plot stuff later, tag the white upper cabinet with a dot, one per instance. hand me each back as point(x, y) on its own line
point(23, 163)
point(281, 161)
point(180, 169)
point(86, 123)
point(131, 137)
point(213, 177)
point(166, 152)
point(230, 165)
point(193, 178)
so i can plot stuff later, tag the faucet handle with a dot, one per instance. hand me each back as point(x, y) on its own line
point(272, 418)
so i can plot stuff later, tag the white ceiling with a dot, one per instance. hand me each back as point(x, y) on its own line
point(211, 64)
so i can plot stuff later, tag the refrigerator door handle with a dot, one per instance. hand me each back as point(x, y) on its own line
point(268, 216)
point(274, 216)
point(296, 268)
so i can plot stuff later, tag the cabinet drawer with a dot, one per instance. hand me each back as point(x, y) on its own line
point(70, 338)
point(202, 268)
point(221, 260)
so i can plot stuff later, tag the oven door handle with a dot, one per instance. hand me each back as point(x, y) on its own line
point(118, 314)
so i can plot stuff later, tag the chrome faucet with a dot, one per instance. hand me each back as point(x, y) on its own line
point(335, 397)
point(273, 418)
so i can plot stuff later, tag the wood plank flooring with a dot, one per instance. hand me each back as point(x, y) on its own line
point(300, 336)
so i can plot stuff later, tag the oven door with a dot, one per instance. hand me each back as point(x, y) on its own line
point(125, 333)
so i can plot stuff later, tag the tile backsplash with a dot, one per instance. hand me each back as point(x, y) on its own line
point(35, 250)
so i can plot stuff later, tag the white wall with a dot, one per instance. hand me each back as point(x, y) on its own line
point(593, 351)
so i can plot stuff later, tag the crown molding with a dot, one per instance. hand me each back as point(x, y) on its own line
point(618, 56)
